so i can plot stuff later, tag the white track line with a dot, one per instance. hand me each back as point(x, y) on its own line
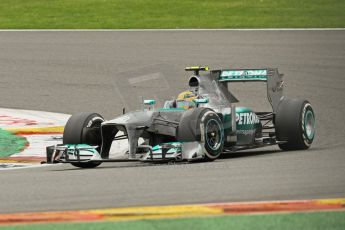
point(16, 166)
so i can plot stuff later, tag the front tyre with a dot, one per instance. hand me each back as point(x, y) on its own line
point(212, 135)
point(205, 126)
point(295, 124)
point(84, 128)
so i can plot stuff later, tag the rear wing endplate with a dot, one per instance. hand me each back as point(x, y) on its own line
point(270, 75)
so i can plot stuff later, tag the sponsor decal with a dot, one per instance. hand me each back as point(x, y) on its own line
point(248, 118)
point(259, 74)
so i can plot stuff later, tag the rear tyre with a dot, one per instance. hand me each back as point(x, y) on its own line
point(205, 126)
point(295, 123)
point(84, 128)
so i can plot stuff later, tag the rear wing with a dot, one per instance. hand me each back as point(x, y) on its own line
point(243, 75)
point(270, 75)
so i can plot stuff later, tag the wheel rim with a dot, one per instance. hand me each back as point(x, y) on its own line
point(309, 124)
point(213, 134)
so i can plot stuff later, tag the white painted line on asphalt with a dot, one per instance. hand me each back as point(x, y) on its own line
point(15, 166)
point(169, 30)
point(140, 79)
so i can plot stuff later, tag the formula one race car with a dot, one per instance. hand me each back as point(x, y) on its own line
point(201, 124)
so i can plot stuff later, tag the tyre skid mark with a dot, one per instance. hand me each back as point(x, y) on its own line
point(174, 211)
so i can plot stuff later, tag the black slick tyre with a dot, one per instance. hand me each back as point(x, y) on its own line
point(295, 124)
point(84, 128)
point(205, 126)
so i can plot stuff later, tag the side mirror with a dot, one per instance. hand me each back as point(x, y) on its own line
point(149, 102)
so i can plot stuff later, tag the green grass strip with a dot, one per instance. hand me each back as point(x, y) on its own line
point(124, 14)
point(11, 143)
point(306, 221)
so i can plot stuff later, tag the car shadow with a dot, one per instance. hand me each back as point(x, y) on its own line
point(251, 153)
point(222, 158)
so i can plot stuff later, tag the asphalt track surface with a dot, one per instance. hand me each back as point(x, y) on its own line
point(70, 72)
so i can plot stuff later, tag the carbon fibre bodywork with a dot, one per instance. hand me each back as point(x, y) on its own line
point(174, 133)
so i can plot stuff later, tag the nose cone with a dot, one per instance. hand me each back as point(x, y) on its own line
point(136, 118)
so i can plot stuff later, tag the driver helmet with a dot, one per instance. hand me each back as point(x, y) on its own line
point(186, 100)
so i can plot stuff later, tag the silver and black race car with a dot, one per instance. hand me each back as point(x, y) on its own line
point(200, 124)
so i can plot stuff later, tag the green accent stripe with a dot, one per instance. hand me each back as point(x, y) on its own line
point(11, 143)
point(243, 110)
